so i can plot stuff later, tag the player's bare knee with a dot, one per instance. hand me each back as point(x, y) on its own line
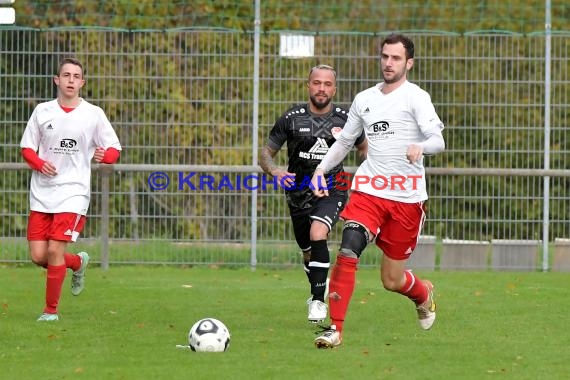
point(319, 230)
point(391, 284)
point(52, 251)
point(39, 261)
point(354, 239)
point(320, 235)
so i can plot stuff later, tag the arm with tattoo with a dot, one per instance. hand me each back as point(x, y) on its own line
point(270, 167)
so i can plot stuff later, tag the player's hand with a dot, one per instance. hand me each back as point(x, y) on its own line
point(319, 184)
point(48, 169)
point(99, 153)
point(414, 153)
point(285, 179)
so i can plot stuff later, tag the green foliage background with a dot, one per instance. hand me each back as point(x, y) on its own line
point(367, 16)
point(187, 123)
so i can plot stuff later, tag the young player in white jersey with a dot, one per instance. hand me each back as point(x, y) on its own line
point(60, 140)
point(386, 204)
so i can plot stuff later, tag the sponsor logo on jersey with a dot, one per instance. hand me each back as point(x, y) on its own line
point(67, 143)
point(66, 146)
point(49, 127)
point(379, 130)
point(320, 147)
point(304, 129)
point(317, 151)
point(380, 126)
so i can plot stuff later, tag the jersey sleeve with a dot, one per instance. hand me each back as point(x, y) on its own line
point(430, 124)
point(32, 158)
point(278, 135)
point(31, 136)
point(106, 136)
point(111, 156)
point(360, 139)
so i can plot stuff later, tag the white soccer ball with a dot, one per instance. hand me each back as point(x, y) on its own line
point(209, 335)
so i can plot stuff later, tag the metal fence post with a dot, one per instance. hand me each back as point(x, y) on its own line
point(106, 171)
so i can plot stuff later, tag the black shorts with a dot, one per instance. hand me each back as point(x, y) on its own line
point(325, 210)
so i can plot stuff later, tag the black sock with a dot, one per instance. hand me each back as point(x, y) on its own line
point(319, 268)
point(306, 260)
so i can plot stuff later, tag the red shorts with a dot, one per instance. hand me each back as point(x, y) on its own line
point(64, 226)
point(396, 225)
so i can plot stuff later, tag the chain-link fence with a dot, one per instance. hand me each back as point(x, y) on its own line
point(187, 97)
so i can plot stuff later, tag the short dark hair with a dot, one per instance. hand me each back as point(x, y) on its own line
point(323, 67)
point(71, 60)
point(394, 38)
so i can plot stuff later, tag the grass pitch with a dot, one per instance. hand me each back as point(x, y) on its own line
point(129, 319)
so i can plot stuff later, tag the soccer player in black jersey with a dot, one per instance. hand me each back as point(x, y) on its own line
point(310, 130)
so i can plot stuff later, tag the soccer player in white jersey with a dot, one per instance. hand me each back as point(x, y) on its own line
point(386, 204)
point(60, 140)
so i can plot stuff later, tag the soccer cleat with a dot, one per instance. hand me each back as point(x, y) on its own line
point(317, 310)
point(426, 310)
point(47, 317)
point(78, 278)
point(330, 338)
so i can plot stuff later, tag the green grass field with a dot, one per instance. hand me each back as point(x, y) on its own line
point(129, 319)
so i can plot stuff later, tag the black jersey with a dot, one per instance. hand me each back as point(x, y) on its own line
point(308, 138)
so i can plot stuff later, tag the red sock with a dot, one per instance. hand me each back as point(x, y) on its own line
point(414, 288)
point(54, 282)
point(341, 287)
point(72, 261)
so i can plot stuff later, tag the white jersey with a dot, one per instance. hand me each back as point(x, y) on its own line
point(392, 122)
point(68, 140)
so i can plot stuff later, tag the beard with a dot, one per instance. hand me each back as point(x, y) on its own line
point(397, 76)
point(319, 105)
